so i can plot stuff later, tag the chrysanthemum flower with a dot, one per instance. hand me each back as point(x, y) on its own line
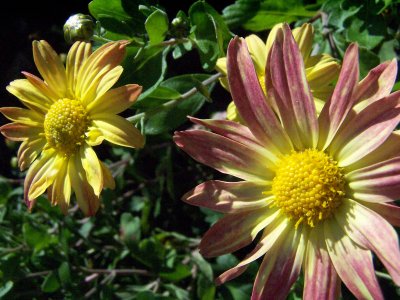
point(321, 69)
point(70, 111)
point(319, 189)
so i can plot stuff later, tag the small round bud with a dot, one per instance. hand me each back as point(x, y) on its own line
point(79, 27)
point(14, 162)
point(177, 21)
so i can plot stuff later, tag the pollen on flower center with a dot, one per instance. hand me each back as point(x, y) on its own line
point(308, 186)
point(65, 125)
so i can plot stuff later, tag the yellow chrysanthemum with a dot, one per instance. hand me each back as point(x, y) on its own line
point(321, 69)
point(320, 189)
point(70, 111)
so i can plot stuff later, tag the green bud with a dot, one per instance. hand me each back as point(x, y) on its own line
point(79, 27)
point(14, 162)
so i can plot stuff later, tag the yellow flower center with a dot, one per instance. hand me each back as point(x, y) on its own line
point(65, 125)
point(308, 186)
point(261, 80)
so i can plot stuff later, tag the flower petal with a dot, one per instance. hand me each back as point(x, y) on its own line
point(59, 193)
point(304, 37)
point(116, 100)
point(250, 100)
point(23, 116)
point(87, 200)
point(361, 224)
point(390, 212)
point(96, 66)
point(76, 57)
point(37, 171)
point(320, 278)
point(280, 267)
point(322, 73)
point(29, 150)
point(19, 132)
point(228, 197)
point(29, 95)
point(239, 133)
point(92, 167)
point(352, 263)
point(376, 85)
point(381, 181)
point(50, 67)
point(43, 88)
point(287, 85)
point(271, 234)
point(234, 231)
point(118, 130)
point(224, 155)
point(257, 52)
point(341, 102)
point(367, 131)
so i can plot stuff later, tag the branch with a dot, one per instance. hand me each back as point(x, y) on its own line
point(174, 102)
point(117, 271)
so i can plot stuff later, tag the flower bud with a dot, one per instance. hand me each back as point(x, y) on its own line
point(79, 27)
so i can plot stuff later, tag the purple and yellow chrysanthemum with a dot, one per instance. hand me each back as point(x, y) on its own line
point(72, 109)
point(319, 189)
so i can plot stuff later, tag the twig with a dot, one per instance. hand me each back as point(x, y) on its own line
point(117, 271)
point(174, 102)
point(38, 274)
point(174, 41)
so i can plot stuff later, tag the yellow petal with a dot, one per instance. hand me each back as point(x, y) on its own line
point(23, 116)
point(50, 67)
point(258, 52)
point(77, 55)
point(118, 130)
point(304, 37)
point(116, 100)
point(28, 151)
point(221, 66)
point(232, 113)
point(107, 177)
point(92, 167)
point(60, 191)
point(271, 37)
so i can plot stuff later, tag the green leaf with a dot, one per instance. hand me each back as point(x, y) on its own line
point(180, 272)
point(37, 238)
point(235, 15)
point(205, 35)
point(173, 116)
point(339, 11)
point(130, 228)
point(64, 273)
point(205, 288)
point(272, 12)
point(204, 267)
point(368, 60)
point(239, 291)
point(50, 283)
point(367, 33)
point(121, 19)
point(157, 26)
point(387, 50)
point(177, 292)
point(6, 288)
point(146, 67)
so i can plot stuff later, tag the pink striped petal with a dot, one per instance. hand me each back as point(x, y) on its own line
point(286, 83)
point(239, 133)
point(381, 181)
point(352, 263)
point(224, 155)
point(234, 231)
point(376, 85)
point(270, 235)
point(367, 131)
point(320, 278)
point(390, 212)
point(229, 197)
point(389, 149)
point(19, 132)
point(369, 230)
point(250, 100)
point(280, 267)
point(341, 102)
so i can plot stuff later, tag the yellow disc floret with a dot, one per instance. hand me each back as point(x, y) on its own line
point(308, 186)
point(65, 125)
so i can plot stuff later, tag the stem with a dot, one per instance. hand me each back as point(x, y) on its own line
point(174, 102)
point(117, 271)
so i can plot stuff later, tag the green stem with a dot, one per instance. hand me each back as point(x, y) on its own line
point(172, 103)
point(383, 275)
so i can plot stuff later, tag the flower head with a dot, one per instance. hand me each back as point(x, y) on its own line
point(70, 111)
point(319, 189)
point(321, 69)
